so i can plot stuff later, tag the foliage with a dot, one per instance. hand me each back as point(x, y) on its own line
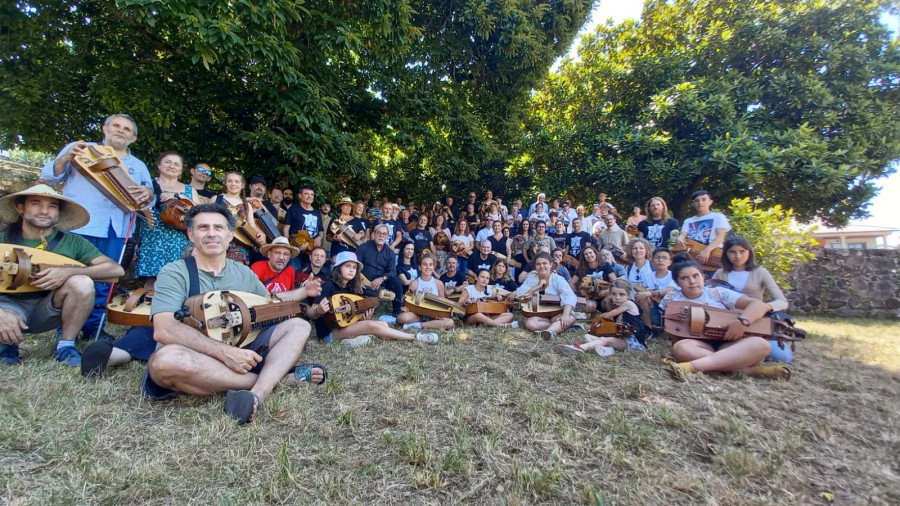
point(346, 96)
point(778, 244)
point(784, 100)
point(31, 157)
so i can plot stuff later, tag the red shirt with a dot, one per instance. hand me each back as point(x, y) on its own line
point(275, 282)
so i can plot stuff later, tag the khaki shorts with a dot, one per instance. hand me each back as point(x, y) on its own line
point(37, 312)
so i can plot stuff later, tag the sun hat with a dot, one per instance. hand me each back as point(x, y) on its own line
point(279, 242)
point(71, 214)
point(344, 257)
point(345, 200)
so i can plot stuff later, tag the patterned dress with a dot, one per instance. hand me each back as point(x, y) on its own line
point(160, 244)
point(236, 251)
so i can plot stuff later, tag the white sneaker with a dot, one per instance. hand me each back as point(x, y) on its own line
point(358, 341)
point(427, 337)
point(413, 325)
point(605, 351)
point(567, 349)
point(579, 315)
point(514, 325)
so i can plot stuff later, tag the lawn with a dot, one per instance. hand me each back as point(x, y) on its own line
point(483, 417)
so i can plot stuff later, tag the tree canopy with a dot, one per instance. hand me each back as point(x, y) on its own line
point(783, 101)
point(340, 95)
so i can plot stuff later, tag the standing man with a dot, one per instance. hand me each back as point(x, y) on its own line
point(39, 218)
point(421, 237)
point(541, 199)
point(258, 191)
point(577, 240)
point(276, 197)
point(304, 217)
point(109, 226)
point(200, 175)
point(191, 363)
point(288, 198)
point(706, 227)
point(359, 226)
point(613, 236)
point(658, 226)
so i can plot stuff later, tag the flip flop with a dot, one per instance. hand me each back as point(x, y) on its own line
point(303, 372)
point(95, 358)
point(241, 405)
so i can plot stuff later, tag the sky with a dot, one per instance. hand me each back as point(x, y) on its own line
point(885, 208)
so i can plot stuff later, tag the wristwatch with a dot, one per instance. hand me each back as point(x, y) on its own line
point(744, 321)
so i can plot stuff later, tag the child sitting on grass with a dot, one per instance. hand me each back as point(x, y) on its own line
point(624, 311)
point(659, 285)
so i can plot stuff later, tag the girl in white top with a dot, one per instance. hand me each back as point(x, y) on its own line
point(481, 291)
point(462, 234)
point(426, 282)
point(545, 280)
point(640, 271)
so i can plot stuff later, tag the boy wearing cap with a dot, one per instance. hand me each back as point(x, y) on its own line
point(39, 218)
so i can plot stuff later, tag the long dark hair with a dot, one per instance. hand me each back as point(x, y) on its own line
point(581, 270)
point(354, 286)
point(743, 242)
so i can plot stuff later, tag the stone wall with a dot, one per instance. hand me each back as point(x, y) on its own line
point(848, 283)
point(16, 176)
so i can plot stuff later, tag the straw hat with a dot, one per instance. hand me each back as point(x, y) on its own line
point(279, 242)
point(71, 214)
point(345, 200)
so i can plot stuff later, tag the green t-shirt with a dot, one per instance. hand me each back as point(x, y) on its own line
point(70, 246)
point(173, 285)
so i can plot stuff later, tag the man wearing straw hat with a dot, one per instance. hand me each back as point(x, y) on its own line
point(276, 273)
point(109, 226)
point(39, 217)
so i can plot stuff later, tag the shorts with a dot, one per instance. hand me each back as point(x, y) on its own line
point(138, 342)
point(155, 392)
point(37, 312)
point(634, 344)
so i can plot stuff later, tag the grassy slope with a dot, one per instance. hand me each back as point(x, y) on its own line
point(482, 417)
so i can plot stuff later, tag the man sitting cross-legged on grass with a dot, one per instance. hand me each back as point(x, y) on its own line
point(39, 216)
point(190, 362)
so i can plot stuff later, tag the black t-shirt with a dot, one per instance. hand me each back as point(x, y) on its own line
point(509, 285)
point(301, 219)
point(421, 239)
point(577, 242)
point(206, 193)
point(560, 239)
point(339, 246)
point(328, 289)
point(457, 280)
point(658, 233)
point(476, 263)
point(604, 269)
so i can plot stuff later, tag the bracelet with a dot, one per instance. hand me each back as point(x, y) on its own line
point(316, 311)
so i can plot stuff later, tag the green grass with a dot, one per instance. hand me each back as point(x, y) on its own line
point(483, 417)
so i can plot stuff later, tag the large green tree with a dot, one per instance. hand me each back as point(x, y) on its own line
point(787, 101)
point(398, 95)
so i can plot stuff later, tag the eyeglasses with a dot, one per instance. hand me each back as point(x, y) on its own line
point(204, 170)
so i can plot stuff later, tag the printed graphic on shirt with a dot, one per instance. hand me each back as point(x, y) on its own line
point(701, 230)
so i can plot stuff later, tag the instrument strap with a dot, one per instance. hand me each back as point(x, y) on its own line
point(157, 190)
point(14, 236)
point(193, 276)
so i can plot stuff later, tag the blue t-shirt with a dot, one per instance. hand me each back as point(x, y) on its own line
point(301, 219)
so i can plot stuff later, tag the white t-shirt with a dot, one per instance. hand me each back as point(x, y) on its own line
point(475, 295)
point(666, 281)
point(465, 239)
point(703, 228)
point(717, 296)
point(738, 279)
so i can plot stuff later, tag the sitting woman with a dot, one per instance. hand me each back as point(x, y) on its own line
point(346, 277)
point(406, 266)
point(739, 269)
point(543, 280)
point(591, 265)
point(640, 272)
point(481, 291)
point(735, 352)
point(426, 282)
point(501, 277)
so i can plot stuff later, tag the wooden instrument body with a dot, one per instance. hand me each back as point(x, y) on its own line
point(425, 304)
point(620, 255)
point(694, 248)
point(131, 308)
point(441, 240)
point(303, 241)
point(641, 289)
point(233, 317)
point(487, 307)
point(19, 264)
point(592, 287)
point(687, 320)
point(101, 166)
point(341, 231)
point(263, 220)
point(632, 231)
point(611, 328)
point(546, 306)
point(458, 248)
point(570, 262)
point(172, 212)
point(347, 308)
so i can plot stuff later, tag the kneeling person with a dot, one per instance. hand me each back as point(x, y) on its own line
point(39, 217)
point(188, 361)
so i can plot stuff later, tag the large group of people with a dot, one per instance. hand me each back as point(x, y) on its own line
point(476, 253)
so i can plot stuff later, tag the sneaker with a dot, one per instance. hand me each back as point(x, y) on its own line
point(579, 315)
point(390, 320)
point(358, 341)
point(9, 354)
point(605, 351)
point(546, 335)
point(69, 356)
point(577, 328)
point(413, 325)
point(568, 349)
point(427, 337)
point(514, 325)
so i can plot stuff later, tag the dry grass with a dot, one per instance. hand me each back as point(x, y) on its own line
point(482, 417)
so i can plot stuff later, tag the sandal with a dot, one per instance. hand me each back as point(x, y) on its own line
point(241, 405)
point(782, 372)
point(680, 370)
point(303, 372)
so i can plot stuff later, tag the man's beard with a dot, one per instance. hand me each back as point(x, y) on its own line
point(259, 193)
point(33, 221)
point(287, 201)
point(380, 242)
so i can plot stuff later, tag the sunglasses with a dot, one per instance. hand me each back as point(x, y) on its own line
point(204, 170)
